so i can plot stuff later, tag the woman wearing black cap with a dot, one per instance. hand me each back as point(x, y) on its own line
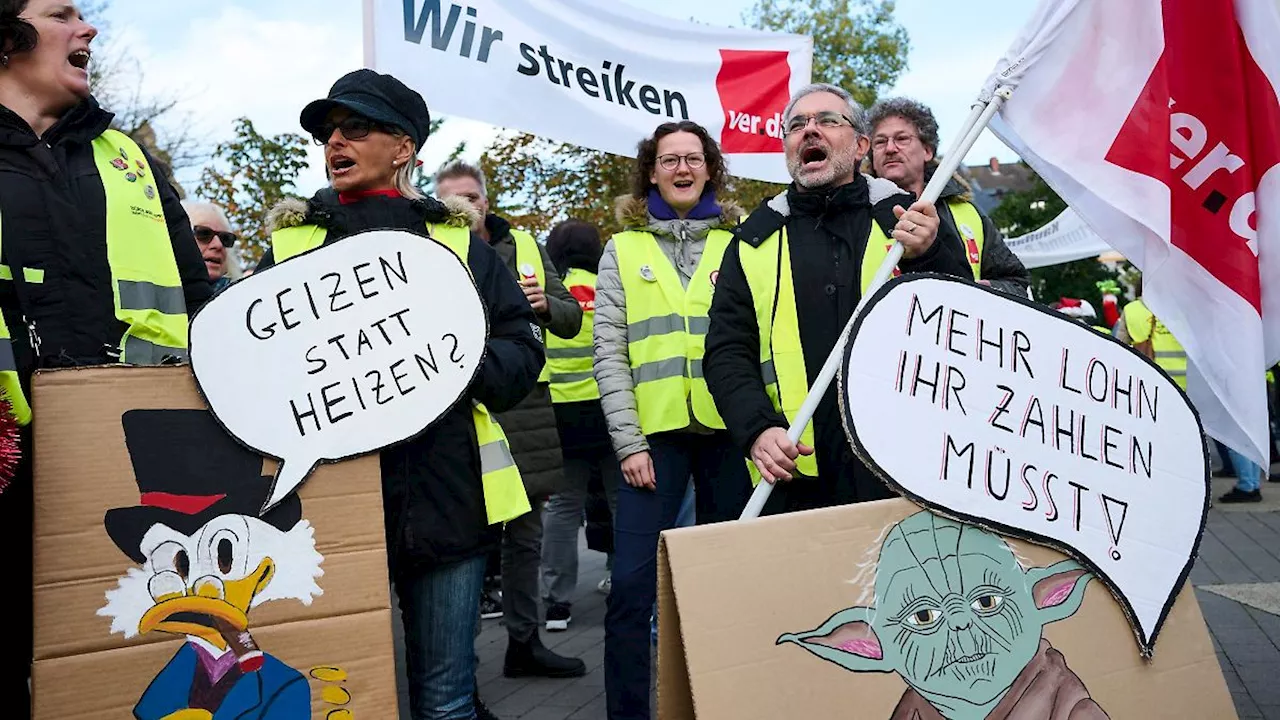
point(98, 263)
point(441, 517)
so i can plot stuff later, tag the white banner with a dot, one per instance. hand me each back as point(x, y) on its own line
point(599, 75)
point(1064, 240)
point(1014, 417)
point(314, 359)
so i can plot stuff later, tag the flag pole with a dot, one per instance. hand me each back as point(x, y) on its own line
point(977, 121)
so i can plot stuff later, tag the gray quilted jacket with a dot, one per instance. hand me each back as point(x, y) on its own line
point(682, 242)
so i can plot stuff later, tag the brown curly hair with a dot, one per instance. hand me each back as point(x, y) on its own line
point(647, 157)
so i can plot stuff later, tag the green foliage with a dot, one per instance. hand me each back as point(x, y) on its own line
point(857, 45)
point(536, 182)
point(1022, 212)
point(424, 178)
point(249, 175)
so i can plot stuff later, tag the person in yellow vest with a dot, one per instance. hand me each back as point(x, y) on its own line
point(531, 425)
point(97, 261)
point(904, 148)
point(1140, 327)
point(790, 281)
point(447, 491)
point(657, 279)
point(575, 248)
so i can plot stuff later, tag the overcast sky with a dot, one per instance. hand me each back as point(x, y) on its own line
point(265, 59)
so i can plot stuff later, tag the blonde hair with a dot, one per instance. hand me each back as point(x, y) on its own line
point(403, 181)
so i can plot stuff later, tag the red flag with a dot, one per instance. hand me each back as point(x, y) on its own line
point(1158, 122)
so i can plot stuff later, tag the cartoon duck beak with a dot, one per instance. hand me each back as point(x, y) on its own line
point(208, 609)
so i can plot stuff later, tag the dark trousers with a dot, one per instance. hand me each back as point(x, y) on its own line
point(15, 536)
point(721, 489)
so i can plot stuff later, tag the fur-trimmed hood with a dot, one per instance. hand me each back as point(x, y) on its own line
point(292, 212)
point(633, 213)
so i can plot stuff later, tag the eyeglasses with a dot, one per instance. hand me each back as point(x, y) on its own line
point(352, 127)
point(827, 119)
point(901, 140)
point(205, 235)
point(671, 162)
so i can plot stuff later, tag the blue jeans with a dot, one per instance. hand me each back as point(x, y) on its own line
point(723, 486)
point(1248, 474)
point(440, 622)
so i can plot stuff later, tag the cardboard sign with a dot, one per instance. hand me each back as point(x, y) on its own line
point(159, 590)
point(340, 351)
point(991, 409)
point(886, 611)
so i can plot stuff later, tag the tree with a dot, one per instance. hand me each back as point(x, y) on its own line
point(249, 175)
point(424, 178)
point(857, 45)
point(1022, 212)
point(153, 120)
point(537, 182)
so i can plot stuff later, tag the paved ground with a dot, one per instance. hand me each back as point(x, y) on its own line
point(1237, 580)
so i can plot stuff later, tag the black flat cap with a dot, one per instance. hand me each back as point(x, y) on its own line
point(376, 96)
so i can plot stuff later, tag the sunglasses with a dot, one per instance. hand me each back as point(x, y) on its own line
point(205, 235)
point(352, 127)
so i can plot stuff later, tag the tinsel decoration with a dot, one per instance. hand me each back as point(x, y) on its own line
point(10, 444)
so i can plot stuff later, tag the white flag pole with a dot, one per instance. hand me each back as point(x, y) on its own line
point(977, 121)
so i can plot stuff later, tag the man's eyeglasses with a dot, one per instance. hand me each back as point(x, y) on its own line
point(827, 119)
point(901, 140)
point(671, 162)
point(205, 235)
point(352, 127)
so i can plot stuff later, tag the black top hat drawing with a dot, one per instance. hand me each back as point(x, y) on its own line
point(189, 471)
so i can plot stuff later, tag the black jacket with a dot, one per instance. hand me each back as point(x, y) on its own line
point(54, 218)
point(431, 489)
point(827, 232)
point(531, 425)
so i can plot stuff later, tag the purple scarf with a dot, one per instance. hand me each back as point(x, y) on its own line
point(706, 209)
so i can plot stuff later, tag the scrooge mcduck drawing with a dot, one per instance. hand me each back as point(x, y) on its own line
point(206, 560)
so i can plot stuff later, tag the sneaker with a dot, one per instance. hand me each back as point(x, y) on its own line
point(607, 583)
point(490, 606)
point(482, 712)
point(558, 617)
point(1241, 496)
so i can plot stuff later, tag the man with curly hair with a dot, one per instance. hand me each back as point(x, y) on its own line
point(904, 149)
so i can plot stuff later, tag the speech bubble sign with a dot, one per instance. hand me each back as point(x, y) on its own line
point(990, 409)
point(340, 351)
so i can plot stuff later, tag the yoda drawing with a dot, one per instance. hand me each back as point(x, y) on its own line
point(959, 619)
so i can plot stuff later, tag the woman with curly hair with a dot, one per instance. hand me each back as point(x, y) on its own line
point(652, 296)
point(98, 263)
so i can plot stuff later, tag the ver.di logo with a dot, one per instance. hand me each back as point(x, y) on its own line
point(754, 86)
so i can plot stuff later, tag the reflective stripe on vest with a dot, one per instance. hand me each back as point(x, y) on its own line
point(144, 274)
point(10, 381)
point(529, 264)
point(146, 286)
point(570, 361)
point(666, 330)
point(504, 493)
point(1169, 353)
point(782, 368)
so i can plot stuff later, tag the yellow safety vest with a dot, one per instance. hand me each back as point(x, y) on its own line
point(786, 380)
point(529, 263)
point(145, 284)
point(968, 222)
point(504, 494)
point(667, 329)
point(569, 361)
point(1143, 325)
